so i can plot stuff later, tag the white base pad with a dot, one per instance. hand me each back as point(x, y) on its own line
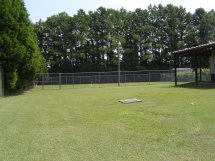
point(125, 101)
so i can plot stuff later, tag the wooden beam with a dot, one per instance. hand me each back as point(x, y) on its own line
point(202, 53)
point(201, 48)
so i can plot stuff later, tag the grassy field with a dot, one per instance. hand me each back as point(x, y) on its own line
point(171, 124)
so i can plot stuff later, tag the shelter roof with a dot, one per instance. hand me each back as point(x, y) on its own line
point(201, 50)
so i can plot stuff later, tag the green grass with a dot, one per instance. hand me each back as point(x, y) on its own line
point(91, 125)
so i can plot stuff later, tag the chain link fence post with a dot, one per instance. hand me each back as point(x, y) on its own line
point(73, 81)
point(125, 78)
point(99, 79)
point(59, 80)
point(43, 82)
point(149, 79)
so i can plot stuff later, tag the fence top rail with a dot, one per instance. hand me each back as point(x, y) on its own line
point(109, 72)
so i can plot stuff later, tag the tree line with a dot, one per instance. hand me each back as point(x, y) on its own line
point(88, 41)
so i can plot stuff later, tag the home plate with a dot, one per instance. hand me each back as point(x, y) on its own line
point(125, 101)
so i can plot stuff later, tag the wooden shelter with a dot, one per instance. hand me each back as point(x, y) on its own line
point(206, 50)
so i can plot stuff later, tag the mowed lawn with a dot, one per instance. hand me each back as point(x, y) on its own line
point(89, 124)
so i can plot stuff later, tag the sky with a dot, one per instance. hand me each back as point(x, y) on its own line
point(41, 9)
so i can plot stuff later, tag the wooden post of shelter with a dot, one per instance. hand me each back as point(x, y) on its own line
point(200, 69)
point(175, 69)
point(196, 70)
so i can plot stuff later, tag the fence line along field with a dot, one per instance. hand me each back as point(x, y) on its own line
point(171, 124)
point(114, 78)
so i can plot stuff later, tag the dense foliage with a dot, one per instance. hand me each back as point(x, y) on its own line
point(88, 41)
point(19, 52)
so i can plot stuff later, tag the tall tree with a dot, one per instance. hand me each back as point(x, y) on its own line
point(19, 50)
point(210, 20)
point(88, 41)
point(199, 24)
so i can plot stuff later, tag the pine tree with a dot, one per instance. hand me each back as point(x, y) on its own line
point(19, 51)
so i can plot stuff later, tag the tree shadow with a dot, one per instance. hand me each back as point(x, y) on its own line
point(201, 85)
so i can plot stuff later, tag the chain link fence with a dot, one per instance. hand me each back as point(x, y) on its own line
point(102, 79)
point(188, 75)
point(115, 78)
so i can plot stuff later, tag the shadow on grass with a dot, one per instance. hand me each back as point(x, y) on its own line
point(19, 92)
point(201, 85)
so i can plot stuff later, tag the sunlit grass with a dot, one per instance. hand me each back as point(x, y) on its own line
point(90, 124)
